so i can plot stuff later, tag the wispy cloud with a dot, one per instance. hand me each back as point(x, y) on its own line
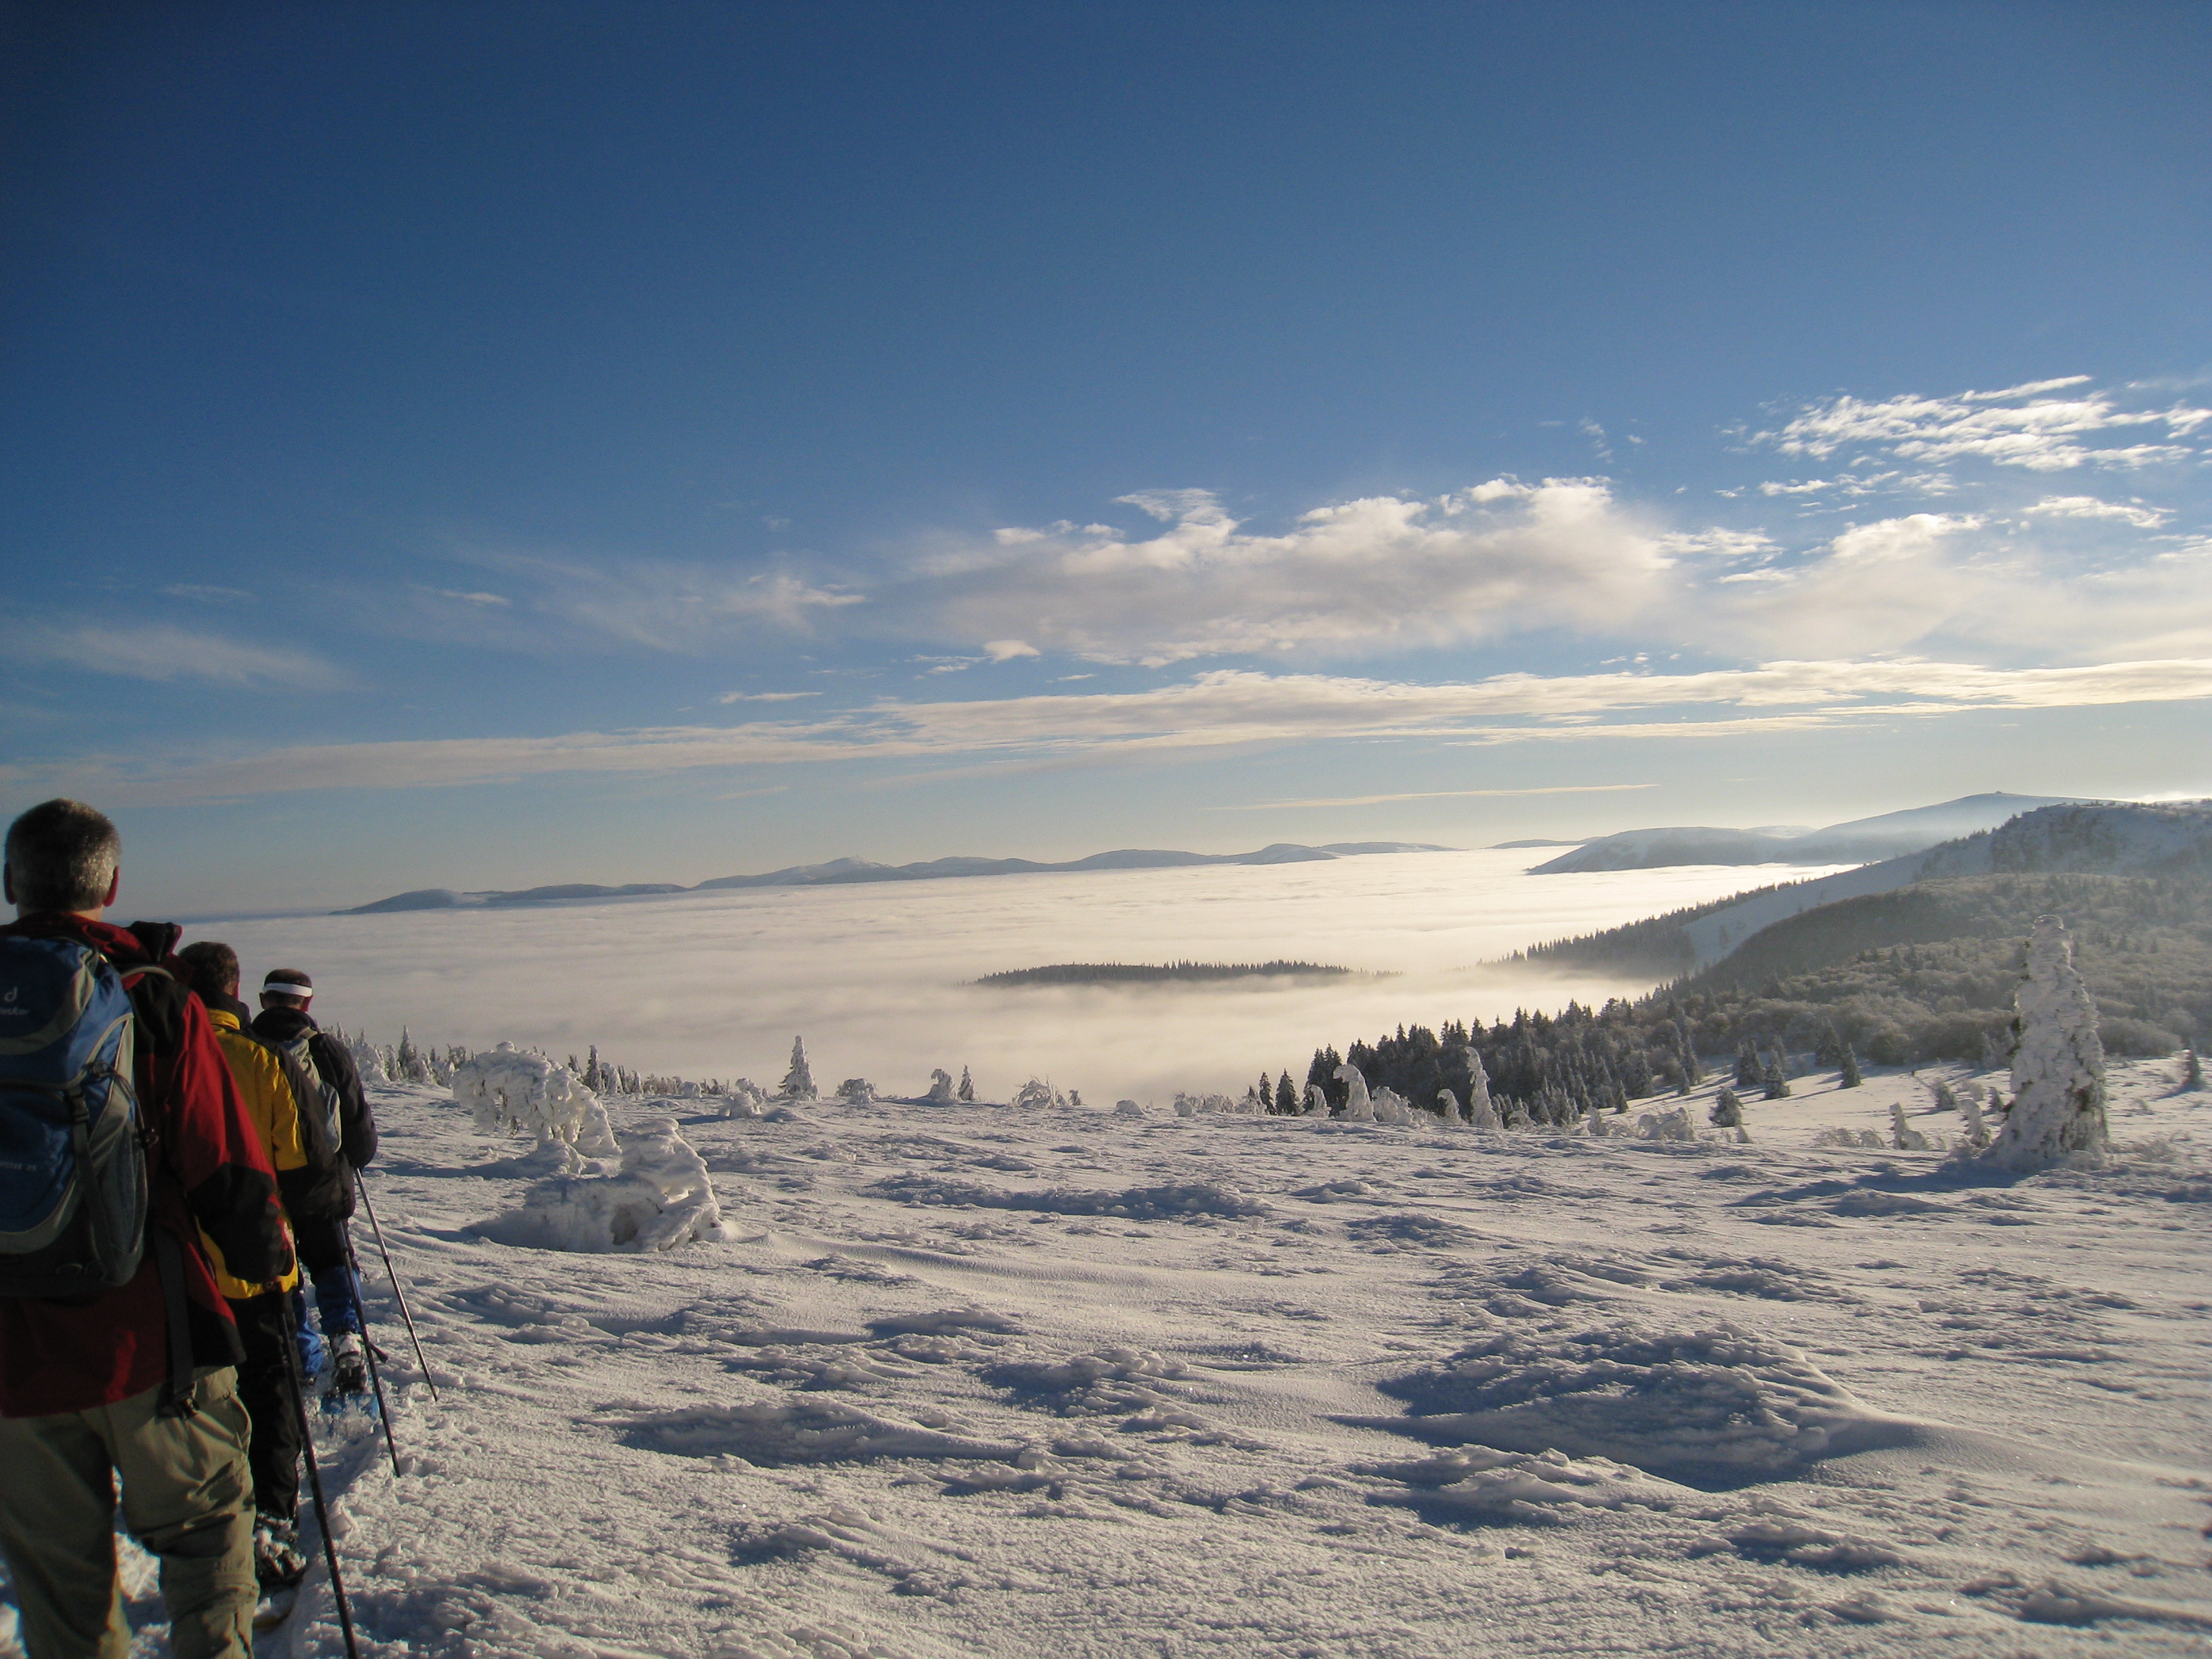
point(203, 593)
point(2020, 426)
point(764, 697)
point(160, 651)
point(1221, 710)
point(1433, 794)
point(2090, 507)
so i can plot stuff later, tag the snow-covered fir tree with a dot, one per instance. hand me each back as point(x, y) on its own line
point(967, 1085)
point(799, 1081)
point(1480, 1110)
point(2058, 1061)
point(1727, 1110)
point(940, 1085)
point(1849, 1075)
point(2192, 1070)
point(1774, 1077)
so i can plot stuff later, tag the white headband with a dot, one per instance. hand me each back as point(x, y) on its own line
point(285, 988)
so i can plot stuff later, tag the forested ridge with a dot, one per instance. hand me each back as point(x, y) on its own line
point(1921, 974)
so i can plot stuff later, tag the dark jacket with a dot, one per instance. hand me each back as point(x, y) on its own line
point(356, 1122)
point(209, 1171)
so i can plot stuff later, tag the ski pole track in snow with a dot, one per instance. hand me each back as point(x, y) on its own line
point(977, 1381)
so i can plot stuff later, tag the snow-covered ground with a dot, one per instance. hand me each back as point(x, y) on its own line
point(717, 984)
point(975, 1380)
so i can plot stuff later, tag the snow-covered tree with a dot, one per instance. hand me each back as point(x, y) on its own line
point(1038, 1093)
point(2192, 1070)
point(1480, 1112)
point(1749, 1072)
point(1774, 1078)
point(1849, 1074)
point(2058, 1062)
point(1902, 1136)
point(967, 1085)
point(1316, 1101)
point(1359, 1108)
point(940, 1086)
point(1448, 1107)
point(857, 1089)
point(1978, 1132)
point(1286, 1096)
point(510, 1090)
point(1727, 1110)
point(799, 1082)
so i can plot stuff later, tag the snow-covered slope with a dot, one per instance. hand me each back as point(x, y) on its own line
point(977, 1381)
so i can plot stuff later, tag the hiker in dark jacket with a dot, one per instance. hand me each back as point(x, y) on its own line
point(89, 1387)
point(320, 1228)
point(272, 1087)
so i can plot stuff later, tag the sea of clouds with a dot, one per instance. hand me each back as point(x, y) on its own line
point(875, 975)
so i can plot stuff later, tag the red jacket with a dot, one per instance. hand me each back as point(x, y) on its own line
point(210, 1169)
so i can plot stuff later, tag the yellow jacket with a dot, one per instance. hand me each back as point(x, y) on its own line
point(275, 1115)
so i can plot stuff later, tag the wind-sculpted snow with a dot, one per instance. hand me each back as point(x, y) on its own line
point(1180, 1201)
point(863, 1423)
point(1718, 1406)
point(782, 1430)
point(1480, 1487)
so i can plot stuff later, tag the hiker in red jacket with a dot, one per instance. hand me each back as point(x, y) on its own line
point(138, 1380)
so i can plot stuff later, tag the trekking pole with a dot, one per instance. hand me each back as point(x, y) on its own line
point(315, 1486)
point(397, 1295)
point(368, 1349)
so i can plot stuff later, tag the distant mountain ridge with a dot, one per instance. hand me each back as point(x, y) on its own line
point(1861, 840)
point(846, 871)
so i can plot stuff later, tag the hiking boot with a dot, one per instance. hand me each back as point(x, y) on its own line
point(348, 1374)
point(277, 1563)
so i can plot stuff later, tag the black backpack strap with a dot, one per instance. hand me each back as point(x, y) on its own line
point(176, 1399)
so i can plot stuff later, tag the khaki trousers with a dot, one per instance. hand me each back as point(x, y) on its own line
point(186, 1497)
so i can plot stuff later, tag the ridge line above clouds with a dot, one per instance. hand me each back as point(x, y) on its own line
point(1222, 709)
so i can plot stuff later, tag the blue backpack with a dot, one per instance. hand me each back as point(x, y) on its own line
point(73, 1145)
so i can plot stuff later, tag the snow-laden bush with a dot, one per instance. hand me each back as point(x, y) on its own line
point(661, 1198)
point(856, 1091)
point(1391, 1107)
point(1197, 1105)
point(744, 1098)
point(1673, 1125)
point(2058, 1067)
point(1038, 1094)
point(1903, 1136)
point(371, 1062)
point(1128, 1109)
point(940, 1087)
point(511, 1090)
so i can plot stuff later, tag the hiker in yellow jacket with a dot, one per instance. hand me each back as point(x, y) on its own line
point(263, 1312)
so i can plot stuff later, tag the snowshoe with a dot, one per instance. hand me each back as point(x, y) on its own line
point(277, 1563)
point(274, 1607)
point(349, 1388)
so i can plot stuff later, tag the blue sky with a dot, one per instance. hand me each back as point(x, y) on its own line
point(483, 445)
